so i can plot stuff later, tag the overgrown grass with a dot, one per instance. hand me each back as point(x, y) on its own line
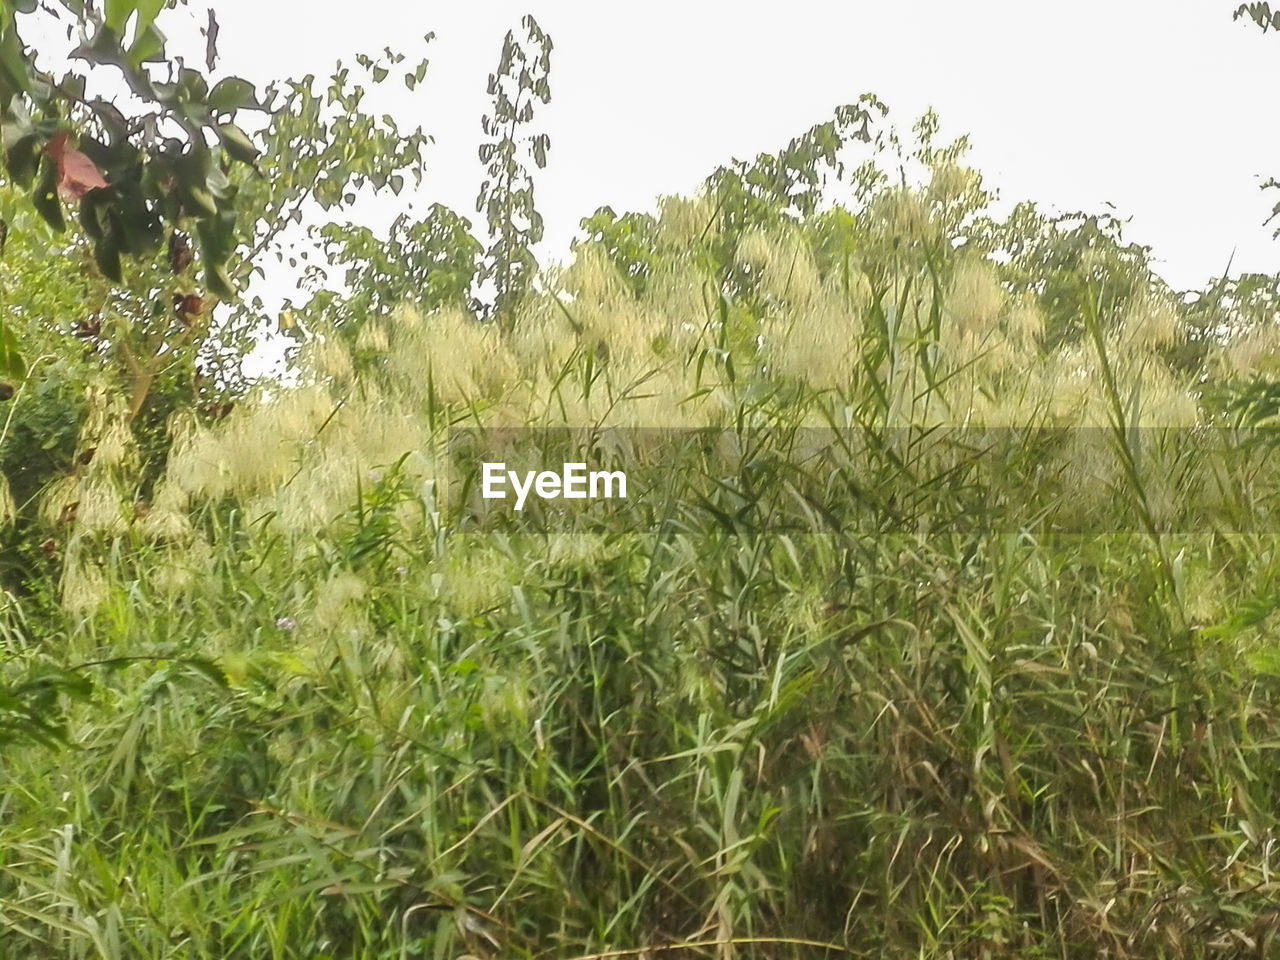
point(888, 701)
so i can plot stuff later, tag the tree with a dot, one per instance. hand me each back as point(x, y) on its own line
point(174, 207)
point(135, 178)
point(506, 196)
point(1261, 14)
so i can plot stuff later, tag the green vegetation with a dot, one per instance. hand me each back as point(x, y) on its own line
point(990, 674)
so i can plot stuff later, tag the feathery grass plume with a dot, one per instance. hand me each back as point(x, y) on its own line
point(327, 358)
point(476, 578)
point(103, 407)
point(973, 304)
point(592, 279)
point(505, 702)
point(361, 436)
point(955, 191)
point(84, 587)
point(104, 438)
point(583, 552)
point(677, 291)
point(755, 250)
point(817, 344)
point(605, 311)
point(335, 600)
point(116, 448)
point(167, 519)
point(1024, 325)
point(1164, 400)
point(902, 214)
point(684, 220)
point(1026, 397)
point(373, 336)
point(1088, 467)
point(101, 508)
point(1206, 594)
point(1150, 322)
point(1072, 369)
point(183, 567)
point(544, 339)
point(59, 500)
point(466, 361)
point(1254, 352)
point(654, 395)
point(790, 275)
point(255, 449)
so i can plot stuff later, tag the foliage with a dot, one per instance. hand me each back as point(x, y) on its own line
point(425, 264)
point(135, 179)
point(506, 195)
point(1260, 13)
point(940, 624)
point(1059, 258)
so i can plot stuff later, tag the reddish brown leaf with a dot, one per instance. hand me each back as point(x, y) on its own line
point(180, 256)
point(77, 174)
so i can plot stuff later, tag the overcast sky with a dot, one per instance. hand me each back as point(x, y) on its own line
point(1164, 109)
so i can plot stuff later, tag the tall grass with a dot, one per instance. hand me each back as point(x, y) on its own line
point(932, 688)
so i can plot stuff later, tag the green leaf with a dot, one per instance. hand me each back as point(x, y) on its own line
point(11, 362)
point(237, 143)
point(92, 206)
point(232, 93)
point(13, 65)
point(106, 254)
point(201, 201)
point(192, 86)
point(148, 47)
point(218, 282)
point(207, 669)
point(22, 158)
point(118, 13)
point(45, 196)
point(148, 10)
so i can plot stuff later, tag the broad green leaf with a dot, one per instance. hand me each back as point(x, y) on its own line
point(22, 158)
point(148, 10)
point(45, 196)
point(218, 282)
point(201, 201)
point(14, 70)
point(118, 13)
point(237, 143)
point(148, 47)
point(106, 254)
point(231, 93)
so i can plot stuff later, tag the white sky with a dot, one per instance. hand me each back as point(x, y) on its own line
point(1165, 109)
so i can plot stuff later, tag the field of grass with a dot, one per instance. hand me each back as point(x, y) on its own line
point(919, 638)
